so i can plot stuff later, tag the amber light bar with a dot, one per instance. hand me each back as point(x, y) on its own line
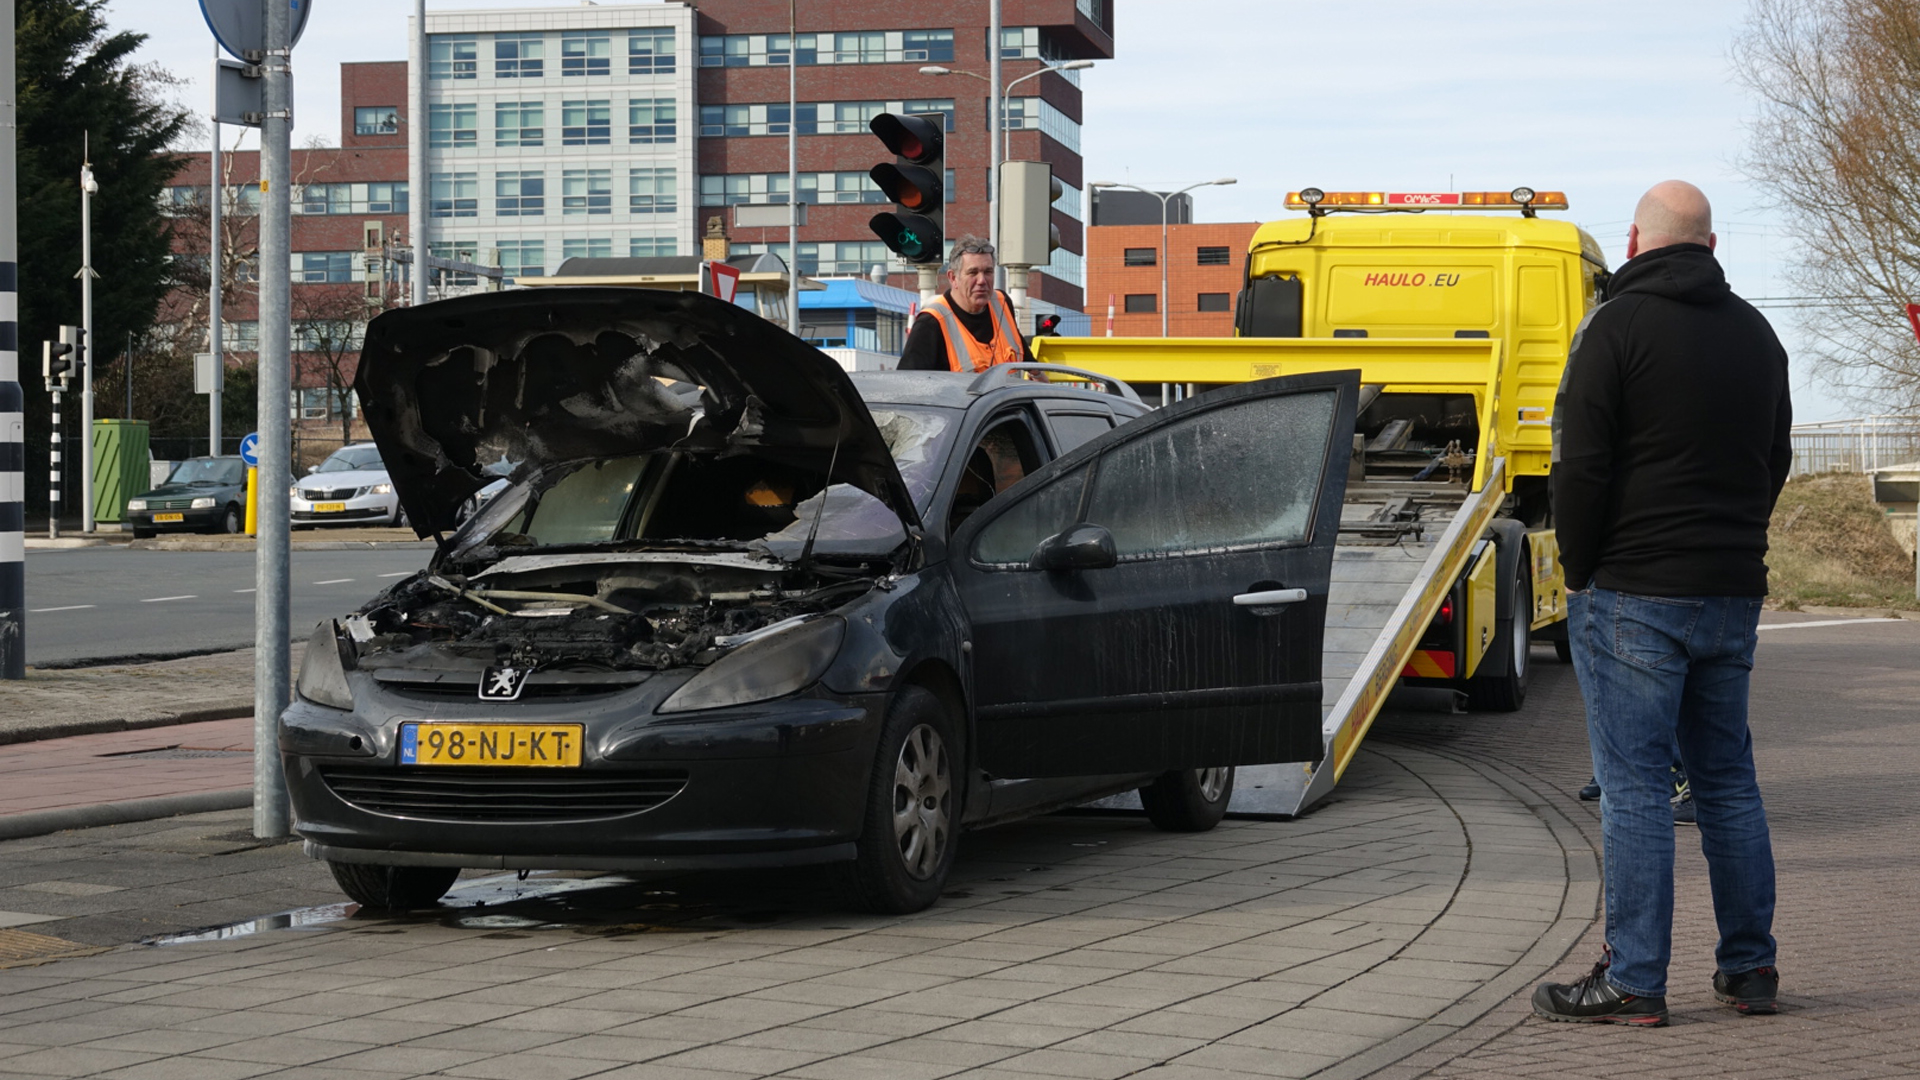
point(1521, 198)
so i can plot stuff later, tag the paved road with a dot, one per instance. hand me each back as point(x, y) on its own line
point(1400, 927)
point(96, 603)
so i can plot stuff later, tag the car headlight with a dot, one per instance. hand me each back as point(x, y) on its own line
point(759, 670)
point(380, 489)
point(323, 671)
point(136, 504)
point(294, 490)
point(204, 502)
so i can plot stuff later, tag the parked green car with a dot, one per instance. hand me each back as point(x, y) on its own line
point(203, 494)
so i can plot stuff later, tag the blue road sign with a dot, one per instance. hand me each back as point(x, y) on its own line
point(240, 26)
point(250, 450)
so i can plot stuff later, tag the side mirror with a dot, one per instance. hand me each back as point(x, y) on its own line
point(311, 469)
point(1082, 547)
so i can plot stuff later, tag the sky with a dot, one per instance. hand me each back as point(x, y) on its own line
point(1598, 100)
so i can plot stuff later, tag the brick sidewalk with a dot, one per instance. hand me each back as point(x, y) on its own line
point(85, 770)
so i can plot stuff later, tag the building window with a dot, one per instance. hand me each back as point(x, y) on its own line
point(586, 54)
point(586, 191)
point(1216, 301)
point(586, 123)
point(466, 251)
point(323, 267)
point(1141, 257)
point(523, 258)
point(520, 194)
point(325, 199)
point(650, 51)
point(1142, 303)
point(828, 257)
point(376, 120)
point(815, 118)
point(519, 56)
point(328, 336)
point(453, 58)
point(455, 125)
point(823, 187)
point(651, 247)
point(856, 47)
point(652, 191)
point(1215, 256)
point(1036, 114)
point(388, 197)
point(586, 249)
point(519, 123)
point(455, 195)
point(651, 121)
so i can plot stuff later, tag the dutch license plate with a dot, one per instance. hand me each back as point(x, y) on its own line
point(329, 508)
point(526, 745)
point(158, 518)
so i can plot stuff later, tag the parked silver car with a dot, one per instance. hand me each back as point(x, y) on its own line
point(350, 487)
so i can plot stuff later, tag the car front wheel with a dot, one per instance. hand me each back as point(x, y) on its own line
point(1188, 800)
point(911, 825)
point(394, 888)
point(232, 523)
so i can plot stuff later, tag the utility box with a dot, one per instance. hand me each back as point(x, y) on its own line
point(120, 467)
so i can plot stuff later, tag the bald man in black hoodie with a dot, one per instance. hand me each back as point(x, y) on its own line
point(1671, 443)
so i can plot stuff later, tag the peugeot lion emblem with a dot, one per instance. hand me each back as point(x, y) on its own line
point(503, 683)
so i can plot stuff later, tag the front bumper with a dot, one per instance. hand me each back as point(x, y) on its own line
point(778, 783)
point(190, 520)
point(360, 508)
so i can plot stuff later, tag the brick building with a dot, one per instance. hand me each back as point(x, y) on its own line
point(1205, 264)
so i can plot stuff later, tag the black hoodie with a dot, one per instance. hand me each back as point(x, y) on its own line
point(1670, 434)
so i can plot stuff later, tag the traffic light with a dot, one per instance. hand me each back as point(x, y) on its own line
point(915, 182)
point(56, 361)
point(1028, 235)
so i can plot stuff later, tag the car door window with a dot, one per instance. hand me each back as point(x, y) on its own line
point(1001, 457)
point(1009, 539)
point(1072, 429)
point(1230, 477)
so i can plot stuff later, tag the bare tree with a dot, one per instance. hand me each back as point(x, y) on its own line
point(1837, 146)
point(329, 322)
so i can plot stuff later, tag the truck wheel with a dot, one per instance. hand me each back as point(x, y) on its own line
point(911, 826)
point(1507, 691)
point(394, 888)
point(1188, 800)
point(1563, 650)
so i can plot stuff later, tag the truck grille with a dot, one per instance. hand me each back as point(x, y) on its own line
point(445, 794)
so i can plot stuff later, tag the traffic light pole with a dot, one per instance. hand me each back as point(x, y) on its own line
point(85, 357)
point(13, 488)
point(53, 466)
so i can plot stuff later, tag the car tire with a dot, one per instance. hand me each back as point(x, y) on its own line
point(1188, 800)
point(400, 517)
point(233, 523)
point(394, 888)
point(911, 824)
point(1507, 691)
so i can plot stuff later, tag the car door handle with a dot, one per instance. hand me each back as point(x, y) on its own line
point(1270, 597)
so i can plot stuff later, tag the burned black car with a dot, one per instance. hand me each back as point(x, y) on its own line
point(738, 608)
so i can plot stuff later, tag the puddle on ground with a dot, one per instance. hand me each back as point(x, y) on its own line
point(298, 919)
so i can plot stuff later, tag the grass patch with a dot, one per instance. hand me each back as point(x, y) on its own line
point(1830, 545)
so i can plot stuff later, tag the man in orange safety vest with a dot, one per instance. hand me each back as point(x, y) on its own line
point(970, 326)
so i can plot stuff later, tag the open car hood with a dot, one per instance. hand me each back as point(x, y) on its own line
point(544, 376)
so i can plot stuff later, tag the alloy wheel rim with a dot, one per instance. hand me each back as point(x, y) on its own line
point(1213, 782)
point(922, 807)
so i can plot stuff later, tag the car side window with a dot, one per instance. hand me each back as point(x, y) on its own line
point(1001, 457)
point(1236, 476)
point(1070, 430)
point(1011, 537)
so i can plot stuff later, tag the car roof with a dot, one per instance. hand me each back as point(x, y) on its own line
point(960, 389)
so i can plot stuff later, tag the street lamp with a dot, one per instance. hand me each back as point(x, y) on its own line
point(1164, 198)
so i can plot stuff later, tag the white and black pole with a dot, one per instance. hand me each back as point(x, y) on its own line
point(55, 388)
point(272, 679)
point(13, 448)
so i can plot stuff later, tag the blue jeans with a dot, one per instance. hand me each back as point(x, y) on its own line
point(1656, 672)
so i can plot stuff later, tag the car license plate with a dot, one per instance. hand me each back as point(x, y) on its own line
point(158, 518)
point(329, 508)
point(527, 745)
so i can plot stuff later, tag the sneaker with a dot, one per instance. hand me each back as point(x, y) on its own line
point(1751, 993)
point(1595, 1000)
point(1683, 810)
point(1591, 792)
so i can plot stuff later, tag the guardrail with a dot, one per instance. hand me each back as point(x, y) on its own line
point(1860, 445)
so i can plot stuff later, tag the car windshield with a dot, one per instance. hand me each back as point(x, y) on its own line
point(743, 499)
point(208, 471)
point(351, 459)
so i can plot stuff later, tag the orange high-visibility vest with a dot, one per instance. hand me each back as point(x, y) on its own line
point(1004, 349)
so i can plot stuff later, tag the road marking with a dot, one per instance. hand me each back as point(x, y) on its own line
point(397, 573)
point(1824, 622)
point(242, 590)
point(164, 599)
point(70, 607)
point(333, 581)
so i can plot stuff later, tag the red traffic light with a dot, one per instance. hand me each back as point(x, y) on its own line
point(911, 137)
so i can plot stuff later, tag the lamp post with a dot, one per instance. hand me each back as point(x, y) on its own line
point(1001, 149)
point(1165, 198)
point(88, 188)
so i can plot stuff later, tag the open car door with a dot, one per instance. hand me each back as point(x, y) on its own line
point(1156, 599)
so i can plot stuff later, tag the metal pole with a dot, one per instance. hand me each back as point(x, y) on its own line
point(793, 167)
point(1164, 199)
point(127, 359)
point(271, 676)
point(417, 193)
point(86, 276)
point(13, 450)
point(53, 465)
point(216, 259)
point(993, 141)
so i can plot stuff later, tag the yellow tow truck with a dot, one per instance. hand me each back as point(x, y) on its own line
point(1457, 308)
